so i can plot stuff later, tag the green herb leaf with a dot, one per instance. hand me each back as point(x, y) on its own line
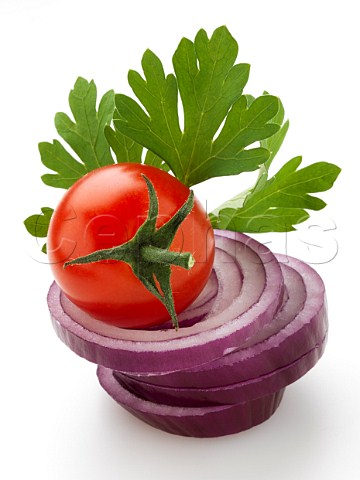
point(127, 150)
point(85, 135)
point(38, 225)
point(282, 200)
point(272, 144)
point(152, 159)
point(210, 88)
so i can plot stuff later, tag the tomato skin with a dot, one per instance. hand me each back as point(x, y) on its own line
point(104, 209)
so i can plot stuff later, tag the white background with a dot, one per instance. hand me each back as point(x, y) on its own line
point(56, 421)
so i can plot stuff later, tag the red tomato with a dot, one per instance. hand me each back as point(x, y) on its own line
point(104, 209)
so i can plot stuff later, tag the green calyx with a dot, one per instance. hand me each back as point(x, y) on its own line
point(148, 252)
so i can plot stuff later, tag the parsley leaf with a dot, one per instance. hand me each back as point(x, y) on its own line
point(127, 150)
point(38, 225)
point(210, 88)
point(282, 201)
point(272, 144)
point(85, 135)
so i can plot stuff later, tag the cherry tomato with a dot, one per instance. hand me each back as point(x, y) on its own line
point(104, 209)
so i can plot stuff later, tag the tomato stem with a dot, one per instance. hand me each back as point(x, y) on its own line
point(148, 252)
point(160, 255)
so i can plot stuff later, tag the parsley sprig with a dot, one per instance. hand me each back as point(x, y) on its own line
point(280, 202)
point(224, 132)
point(210, 86)
point(85, 135)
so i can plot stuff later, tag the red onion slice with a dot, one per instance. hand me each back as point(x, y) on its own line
point(213, 420)
point(296, 328)
point(198, 309)
point(293, 303)
point(229, 394)
point(229, 288)
point(167, 350)
point(209, 292)
point(230, 284)
point(201, 422)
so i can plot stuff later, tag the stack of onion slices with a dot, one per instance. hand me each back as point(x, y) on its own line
point(259, 325)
